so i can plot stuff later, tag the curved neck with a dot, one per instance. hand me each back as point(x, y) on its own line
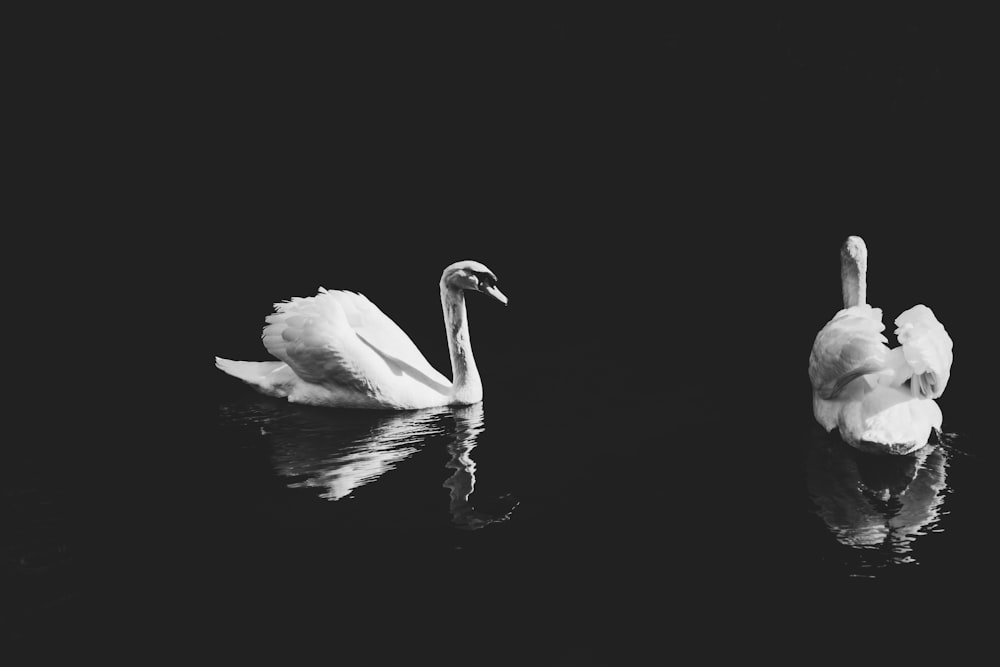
point(467, 388)
point(853, 280)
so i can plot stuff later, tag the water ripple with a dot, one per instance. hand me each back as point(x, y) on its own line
point(337, 452)
point(877, 505)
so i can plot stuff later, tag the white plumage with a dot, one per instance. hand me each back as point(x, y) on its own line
point(339, 349)
point(879, 399)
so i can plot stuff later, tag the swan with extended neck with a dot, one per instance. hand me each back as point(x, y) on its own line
point(338, 349)
point(880, 400)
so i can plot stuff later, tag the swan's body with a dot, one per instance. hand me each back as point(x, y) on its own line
point(880, 400)
point(338, 349)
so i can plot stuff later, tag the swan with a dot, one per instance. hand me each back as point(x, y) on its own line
point(338, 349)
point(880, 400)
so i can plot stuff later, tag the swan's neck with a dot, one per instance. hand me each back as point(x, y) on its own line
point(853, 280)
point(467, 388)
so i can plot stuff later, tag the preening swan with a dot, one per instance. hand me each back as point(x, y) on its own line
point(880, 400)
point(338, 349)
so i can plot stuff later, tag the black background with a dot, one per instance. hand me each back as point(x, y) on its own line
point(662, 193)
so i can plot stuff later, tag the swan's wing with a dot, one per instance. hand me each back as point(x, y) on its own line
point(379, 332)
point(927, 348)
point(329, 337)
point(849, 346)
point(313, 336)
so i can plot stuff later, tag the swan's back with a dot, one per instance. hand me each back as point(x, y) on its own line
point(343, 342)
point(880, 399)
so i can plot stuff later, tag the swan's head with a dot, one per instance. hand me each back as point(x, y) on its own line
point(853, 271)
point(854, 251)
point(472, 275)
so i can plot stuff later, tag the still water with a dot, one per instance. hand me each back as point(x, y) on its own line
point(548, 511)
point(876, 512)
point(339, 453)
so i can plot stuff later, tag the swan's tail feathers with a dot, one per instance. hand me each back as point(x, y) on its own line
point(273, 378)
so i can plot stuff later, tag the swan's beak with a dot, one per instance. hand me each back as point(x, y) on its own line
point(495, 293)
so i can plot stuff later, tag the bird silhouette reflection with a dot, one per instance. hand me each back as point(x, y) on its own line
point(876, 503)
point(469, 424)
point(338, 452)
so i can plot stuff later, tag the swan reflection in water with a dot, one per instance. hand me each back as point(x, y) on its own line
point(876, 503)
point(338, 452)
point(469, 423)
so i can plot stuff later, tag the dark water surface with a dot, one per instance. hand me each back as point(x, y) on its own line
point(525, 515)
point(663, 199)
